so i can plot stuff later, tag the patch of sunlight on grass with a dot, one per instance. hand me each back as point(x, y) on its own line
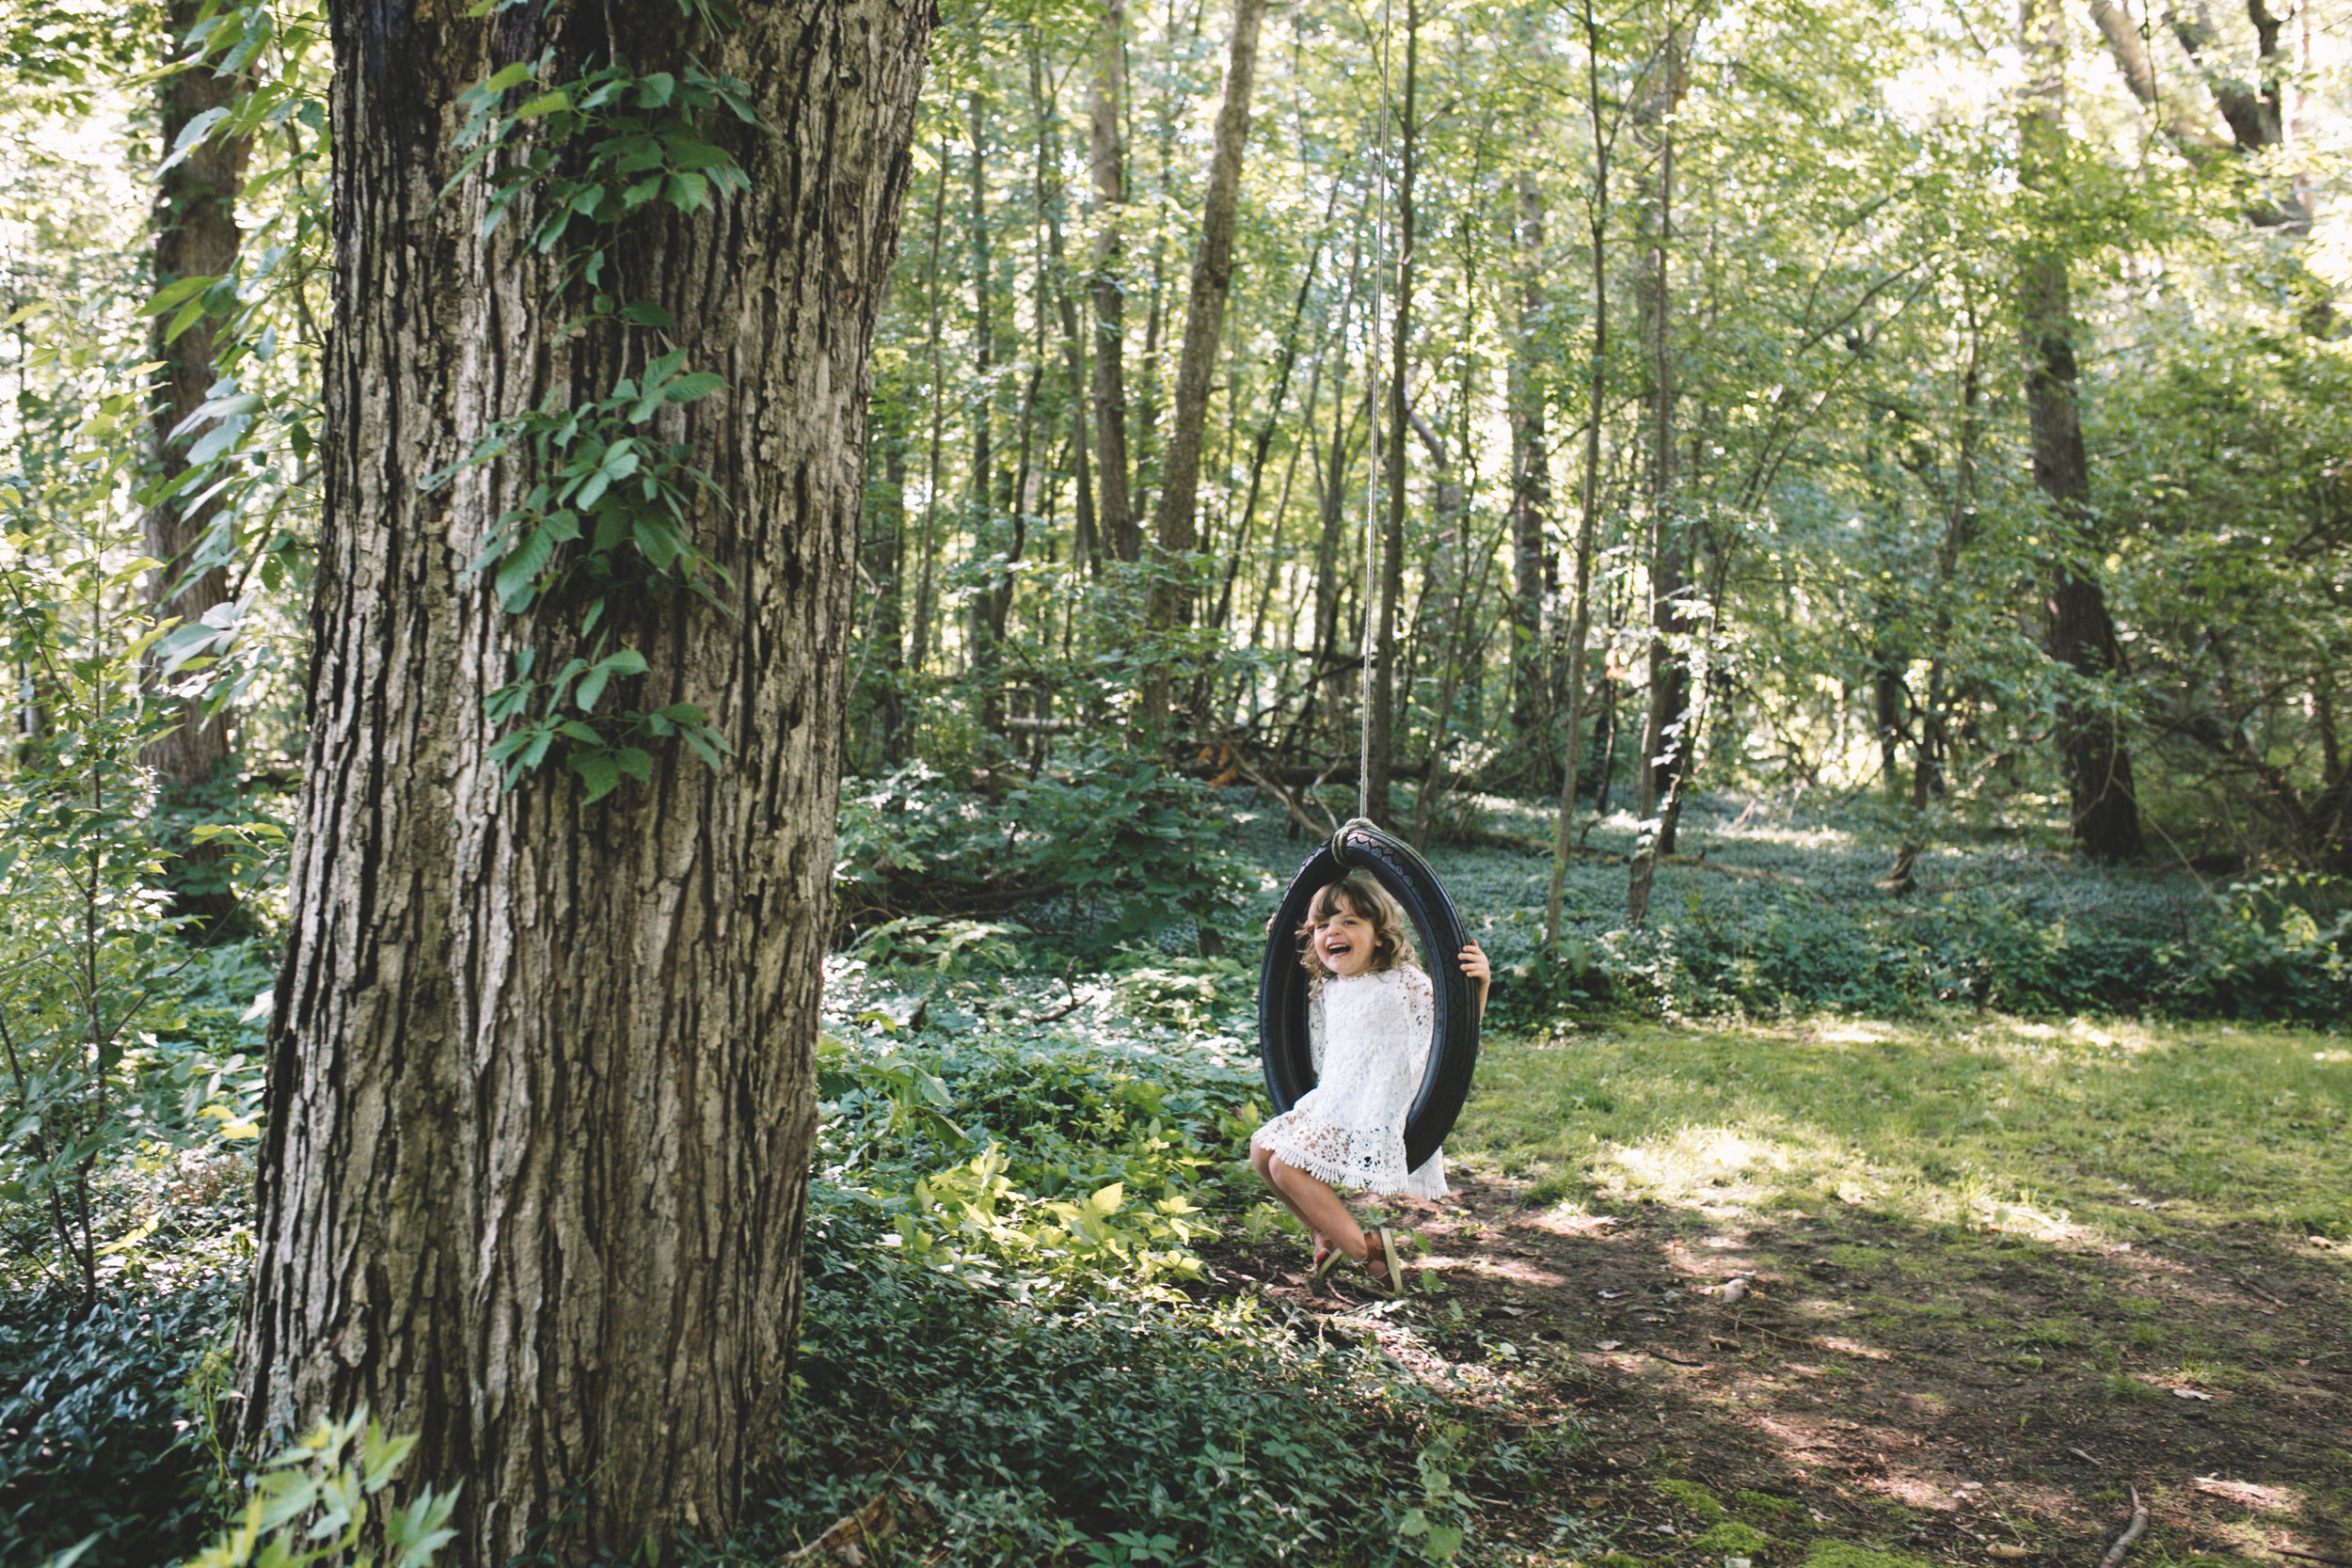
point(1858, 1032)
point(2089, 1130)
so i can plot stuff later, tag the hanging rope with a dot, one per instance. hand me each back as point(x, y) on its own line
point(1379, 454)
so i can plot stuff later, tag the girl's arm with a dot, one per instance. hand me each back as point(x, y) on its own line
point(1474, 964)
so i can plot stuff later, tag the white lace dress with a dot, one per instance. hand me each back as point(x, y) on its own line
point(1370, 1035)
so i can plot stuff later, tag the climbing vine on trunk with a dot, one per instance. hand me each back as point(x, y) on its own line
point(608, 503)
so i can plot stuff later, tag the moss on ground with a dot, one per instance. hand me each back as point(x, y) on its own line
point(1689, 1495)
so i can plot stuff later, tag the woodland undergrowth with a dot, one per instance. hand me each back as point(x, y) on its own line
point(1034, 1086)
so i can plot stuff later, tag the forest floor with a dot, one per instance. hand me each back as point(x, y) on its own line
point(2000, 1274)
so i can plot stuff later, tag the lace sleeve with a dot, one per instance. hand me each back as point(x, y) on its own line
point(1314, 1029)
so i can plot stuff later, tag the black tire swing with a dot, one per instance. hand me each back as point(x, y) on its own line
point(1283, 1044)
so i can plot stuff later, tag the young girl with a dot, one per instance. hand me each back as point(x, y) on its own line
point(1370, 1017)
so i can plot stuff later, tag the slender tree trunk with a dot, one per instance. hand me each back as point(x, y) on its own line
point(1088, 540)
point(1453, 597)
point(2103, 814)
point(926, 595)
point(1392, 574)
point(979, 620)
point(534, 1174)
point(1332, 564)
point(196, 236)
point(1174, 519)
point(1668, 736)
point(1532, 572)
point(1588, 505)
point(1106, 168)
point(884, 559)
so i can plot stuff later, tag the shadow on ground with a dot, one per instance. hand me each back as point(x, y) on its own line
point(1912, 1387)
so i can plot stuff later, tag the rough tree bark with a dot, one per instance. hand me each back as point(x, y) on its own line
point(196, 236)
point(2103, 808)
point(1106, 168)
point(540, 1103)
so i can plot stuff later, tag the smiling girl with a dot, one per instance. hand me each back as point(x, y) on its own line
point(1370, 1016)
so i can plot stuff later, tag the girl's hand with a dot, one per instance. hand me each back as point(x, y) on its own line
point(1474, 964)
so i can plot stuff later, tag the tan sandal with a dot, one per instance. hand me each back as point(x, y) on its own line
point(1390, 1268)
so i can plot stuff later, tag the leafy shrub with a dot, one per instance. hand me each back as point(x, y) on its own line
point(1099, 1433)
point(101, 1422)
point(314, 1502)
point(2281, 949)
point(1100, 851)
point(1064, 1161)
point(997, 1231)
point(2264, 955)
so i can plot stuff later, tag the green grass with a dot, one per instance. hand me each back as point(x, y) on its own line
point(1977, 1123)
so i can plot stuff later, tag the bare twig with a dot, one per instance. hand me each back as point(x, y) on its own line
point(2310, 1556)
point(2249, 1285)
point(2083, 1457)
point(1290, 802)
point(2138, 1528)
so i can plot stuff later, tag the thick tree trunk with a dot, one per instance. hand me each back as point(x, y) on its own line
point(1106, 168)
point(196, 236)
point(1391, 578)
point(1174, 529)
point(540, 1105)
point(2104, 808)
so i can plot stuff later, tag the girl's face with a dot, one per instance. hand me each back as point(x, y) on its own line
point(1345, 940)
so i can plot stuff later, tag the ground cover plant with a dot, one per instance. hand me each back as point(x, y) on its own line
point(1978, 1245)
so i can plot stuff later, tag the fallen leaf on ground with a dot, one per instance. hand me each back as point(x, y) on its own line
point(2191, 1394)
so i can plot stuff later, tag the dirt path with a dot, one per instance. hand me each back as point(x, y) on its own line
point(1928, 1393)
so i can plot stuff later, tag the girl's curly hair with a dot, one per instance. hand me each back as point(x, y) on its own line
point(1392, 932)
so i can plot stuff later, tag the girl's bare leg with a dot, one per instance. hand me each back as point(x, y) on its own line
point(1313, 1201)
point(1262, 1161)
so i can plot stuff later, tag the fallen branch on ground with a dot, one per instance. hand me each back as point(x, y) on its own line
point(2138, 1528)
point(2310, 1556)
point(877, 1521)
